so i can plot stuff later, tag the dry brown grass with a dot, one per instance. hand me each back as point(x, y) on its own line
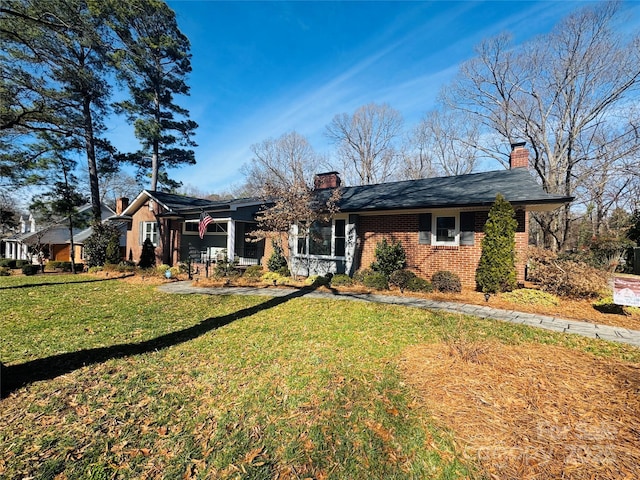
point(532, 411)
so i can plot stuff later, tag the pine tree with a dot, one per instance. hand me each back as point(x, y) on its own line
point(496, 271)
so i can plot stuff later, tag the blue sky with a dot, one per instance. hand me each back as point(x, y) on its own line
point(261, 69)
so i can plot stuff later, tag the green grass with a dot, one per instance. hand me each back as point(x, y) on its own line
point(170, 386)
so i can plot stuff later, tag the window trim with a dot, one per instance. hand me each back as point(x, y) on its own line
point(332, 255)
point(434, 233)
point(152, 235)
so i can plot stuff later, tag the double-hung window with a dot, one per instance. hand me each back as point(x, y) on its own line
point(446, 228)
point(149, 230)
point(321, 238)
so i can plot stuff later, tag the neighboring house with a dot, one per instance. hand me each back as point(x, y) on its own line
point(52, 240)
point(439, 221)
point(14, 246)
point(171, 222)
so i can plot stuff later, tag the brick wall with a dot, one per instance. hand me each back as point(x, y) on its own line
point(425, 260)
point(143, 214)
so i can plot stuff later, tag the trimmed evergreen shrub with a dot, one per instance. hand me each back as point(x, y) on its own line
point(277, 261)
point(30, 269)
point(446, 281)
point(22, 263)
point(371, 279)
point(418, 284)
point(283, 271)
point(497, 268)
point(341, 280)
point(389, 258)
point(8, 263)
point(148, 255)
point(103, 246)
point(401, 279)
point(4, 272)
point(254, 271)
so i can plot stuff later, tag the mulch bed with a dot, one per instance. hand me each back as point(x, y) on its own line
point(532, 411)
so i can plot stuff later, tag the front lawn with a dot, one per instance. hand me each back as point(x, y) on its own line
point(114, 379)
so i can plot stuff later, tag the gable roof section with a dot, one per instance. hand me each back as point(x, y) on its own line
point(184, 205)
point(472, 190)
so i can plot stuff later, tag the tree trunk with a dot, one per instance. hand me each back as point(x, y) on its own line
point(90, 148)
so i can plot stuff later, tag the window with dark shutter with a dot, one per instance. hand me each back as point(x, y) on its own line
point(424, 229)
point(467, 228)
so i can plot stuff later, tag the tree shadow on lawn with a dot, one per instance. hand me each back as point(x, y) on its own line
point(13, 377)
point(46, 284)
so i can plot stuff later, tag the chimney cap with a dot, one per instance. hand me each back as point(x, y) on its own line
point(517, 144)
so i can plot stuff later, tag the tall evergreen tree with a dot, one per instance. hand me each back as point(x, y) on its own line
point(55, 56)
point(154, 63)
point(497, 271)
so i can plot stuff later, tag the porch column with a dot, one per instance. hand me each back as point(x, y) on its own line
point(231, 239)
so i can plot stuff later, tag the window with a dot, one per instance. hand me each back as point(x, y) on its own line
point(149, 230)
point(322, 239)
point(445, 230)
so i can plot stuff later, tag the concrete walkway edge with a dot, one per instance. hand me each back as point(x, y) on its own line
point(556, 324)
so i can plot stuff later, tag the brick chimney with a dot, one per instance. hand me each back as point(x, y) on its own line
point(326, 180)
point(121, 205)
point(519, 157)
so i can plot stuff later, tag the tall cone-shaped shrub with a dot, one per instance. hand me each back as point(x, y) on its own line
point(497, 268)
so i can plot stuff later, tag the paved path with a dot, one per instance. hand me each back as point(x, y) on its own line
point(556, 324)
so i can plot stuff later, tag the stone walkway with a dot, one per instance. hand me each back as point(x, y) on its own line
point(556, 324)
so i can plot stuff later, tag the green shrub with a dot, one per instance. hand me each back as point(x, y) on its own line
point(254, 271)
point(95, 269)
point(341, 280)
point(496, 270)
point(446, 281)
point(175, 271)
point(530, 296)
point(103, 246)
point(401, 279)
point(30, 269)
point(565, 278)
point(389, 258)
point(22, 263)
point(148, 255)
point(162, 269)
point(274, 278)
point(8, 263)
point(277, 261)
point(417, 284)
point(4, 272)
point(371, 279)
point(283, 271)
point(226, 268)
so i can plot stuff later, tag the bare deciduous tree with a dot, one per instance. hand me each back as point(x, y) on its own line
point(366, 143)
point(558, 92)
point(280, 163)
point(442, 144)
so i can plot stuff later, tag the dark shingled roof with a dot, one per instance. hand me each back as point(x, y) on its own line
point(182, 203)
point(472, 190)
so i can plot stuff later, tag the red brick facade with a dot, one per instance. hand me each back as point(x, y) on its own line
point(425, 260)
point(167, 235)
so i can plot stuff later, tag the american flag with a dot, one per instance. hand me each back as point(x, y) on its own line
point(205, 219)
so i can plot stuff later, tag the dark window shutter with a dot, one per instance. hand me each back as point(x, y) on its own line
point(467, 227)
point(424, 229)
